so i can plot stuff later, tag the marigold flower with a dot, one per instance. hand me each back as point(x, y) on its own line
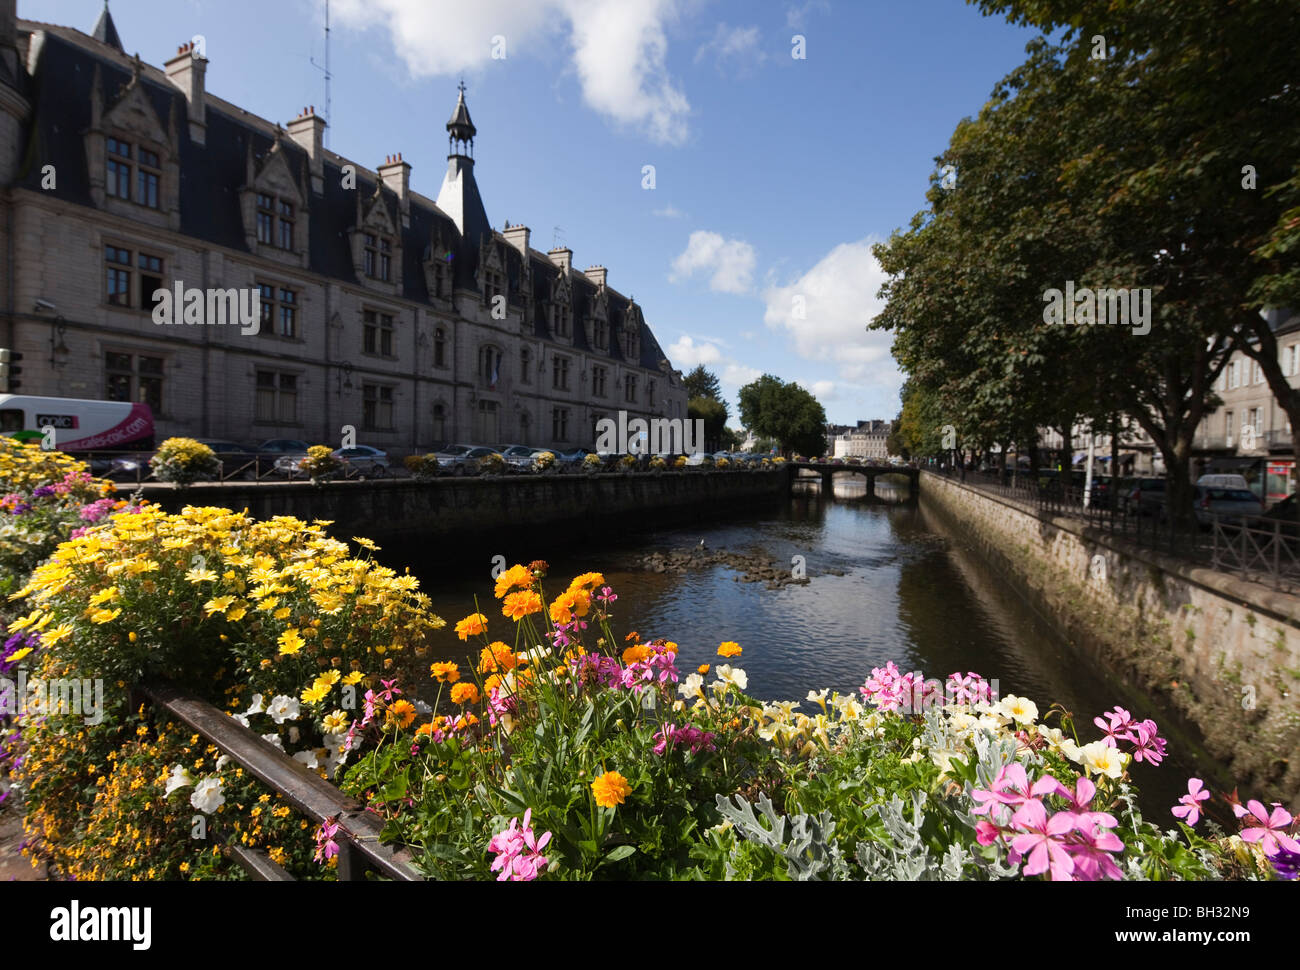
point(465, 693)
point(521, 604)
point(496, 656)
point(729, 649)
point(703, 668)
point(401, 713)
point(587, 581)
point(471, 626)
point(610, 789)
point(513, 578)
point(445, 673)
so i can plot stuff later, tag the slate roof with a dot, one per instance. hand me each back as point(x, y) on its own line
point(213, 174)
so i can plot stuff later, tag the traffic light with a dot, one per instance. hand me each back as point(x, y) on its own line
point(10, 369)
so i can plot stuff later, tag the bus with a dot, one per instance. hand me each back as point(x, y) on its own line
point(79, 426)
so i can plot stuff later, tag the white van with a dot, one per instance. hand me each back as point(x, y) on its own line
point(1223, 481)
point(78, 425)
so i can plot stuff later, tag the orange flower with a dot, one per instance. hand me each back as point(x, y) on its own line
point(424, 729)
point(445, 673)
point(401, 713)
point(515, 576)
point(521, 604)
point(610, 789)
point(471, 626)
point(702, 669)
point(464, 694)
point(729, 649)
point(587, 581)
point(636, 654)
point(632, 636)
point(496, 656)
point(569, 604)
point(492, 683)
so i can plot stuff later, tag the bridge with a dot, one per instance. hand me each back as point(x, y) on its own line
point(827, 470)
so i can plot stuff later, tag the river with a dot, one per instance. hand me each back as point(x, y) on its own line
point(886, 583)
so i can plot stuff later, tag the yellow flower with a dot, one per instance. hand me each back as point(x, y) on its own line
point(290, 642)
point(218, 605)
point(51, 637)
point(19, 655)
point(201, 575)
point(329, 678)
point(587, 581)
point(354, 678)
point(106, 616)
point(336, 722)
point(236, 613)
point(401, 713)
point(104, 596)
point(610, 789)
point(729, 649)
point(365, 543)
point(315, 693)
point(471, 626)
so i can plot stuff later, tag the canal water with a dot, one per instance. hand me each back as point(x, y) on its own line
point(886, 583)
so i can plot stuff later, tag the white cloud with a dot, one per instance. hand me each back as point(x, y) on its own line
point(686, 353)
point(738, 375)
point(796, 15)
point(729, 261)
point(618, 49)
point(823, 390)
point(825, 313)
point(670, 211)
point(736, 48)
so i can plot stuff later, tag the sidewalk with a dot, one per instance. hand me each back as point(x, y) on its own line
point(13, 866)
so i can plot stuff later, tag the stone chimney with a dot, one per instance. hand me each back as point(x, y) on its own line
point(563, 258)
point(597, 274)
point(518, 236)
point(396, 174)
point(308, 132)
point(187, 70)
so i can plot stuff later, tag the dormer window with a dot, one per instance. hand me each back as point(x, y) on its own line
point(148, 178)
point(286, 225)
point(119, 169)
point(265, 219)
point(378, 257)
point(560, 320)
point(601, 335)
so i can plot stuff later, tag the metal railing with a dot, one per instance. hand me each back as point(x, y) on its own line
point(358, 829)
point(1256, 548)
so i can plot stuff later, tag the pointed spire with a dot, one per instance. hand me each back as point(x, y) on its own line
point(460, 128)
point(106, 31)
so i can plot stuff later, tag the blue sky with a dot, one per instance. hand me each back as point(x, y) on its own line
point(772, 174)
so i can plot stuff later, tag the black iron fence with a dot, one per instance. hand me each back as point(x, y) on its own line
point(1261, 549)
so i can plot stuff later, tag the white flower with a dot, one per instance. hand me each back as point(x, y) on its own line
point(1102, 759)
point(307, 758)
point(207, 797)
point(241, 719)
point(508, 723)
point(690, 687)
point(1019, 709)
point(180, 779)
point(294, 735)
point(737, 678)
point(818, 697)
point(283, 709)
point(274, 738)
point(223, 761)
point(849, 707)
point(256, 707)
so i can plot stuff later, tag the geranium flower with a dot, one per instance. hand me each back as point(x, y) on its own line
point(1042, 839)
point(1268, 828)
point(326, 847)
point(1189, 806)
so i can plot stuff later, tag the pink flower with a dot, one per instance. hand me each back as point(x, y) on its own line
point(1119, 720)
point(1079, 805)
point(1146, 745)
point(326, 847)
point(1189, 806)
point(1270, 830)
point(1011, 787)
point(518, 851)
point(1041, 839)
point(1088, 852)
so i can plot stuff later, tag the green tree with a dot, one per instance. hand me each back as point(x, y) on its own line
point(702, 383)
point(770, 407)
point(714, 415)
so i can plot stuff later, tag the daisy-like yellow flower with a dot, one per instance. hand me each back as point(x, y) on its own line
point(471, 626)
point(218, 604)
point(365, 543)
point(465, 693)
point(445, 673)
point(336, 722)
point(104, 596)
point(515, 577)
point(19, 655)
point(201, 574)
point(291, 642)
point(282, 613)
point(237, 613)
point(315, 693)
point(61, 632)
point(521, 604)
point(610, 789)
point(729, 649)
point(106, 616)
point(354, 678)
point(329, 678)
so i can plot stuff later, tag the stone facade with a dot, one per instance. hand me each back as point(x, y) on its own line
point(413, 321)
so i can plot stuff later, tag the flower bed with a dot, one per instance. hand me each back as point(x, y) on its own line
point(559, 749)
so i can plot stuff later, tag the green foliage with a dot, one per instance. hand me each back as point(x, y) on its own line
point(786, 412)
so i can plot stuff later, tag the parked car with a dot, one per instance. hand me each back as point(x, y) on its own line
point(1286, 514)
point(1224, 481)
point(272, 452)
point(519, 457)
point(368, 461)
point(237, 461)
point(1146, 497)
point(462, 459)
point(1212, 503)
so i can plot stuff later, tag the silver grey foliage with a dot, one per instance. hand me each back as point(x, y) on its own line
point(809, 852)
point(907, 856)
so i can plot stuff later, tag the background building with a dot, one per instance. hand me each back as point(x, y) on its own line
point(410, 319)
point(866, 441)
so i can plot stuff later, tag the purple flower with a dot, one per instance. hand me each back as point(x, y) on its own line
point(43, 491)
point(1286, 863)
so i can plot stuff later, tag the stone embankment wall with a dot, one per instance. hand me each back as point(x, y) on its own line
point(1220, 652)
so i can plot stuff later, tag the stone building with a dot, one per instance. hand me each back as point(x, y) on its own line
point(410, 319)
point(867, 441)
